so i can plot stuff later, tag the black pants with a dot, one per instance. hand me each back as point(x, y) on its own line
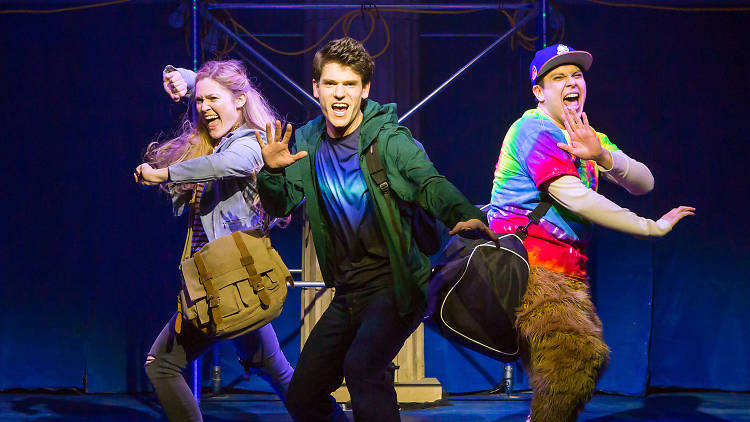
point(171, 352)
point(356, 338)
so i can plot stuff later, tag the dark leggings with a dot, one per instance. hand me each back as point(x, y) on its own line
point(171, 353)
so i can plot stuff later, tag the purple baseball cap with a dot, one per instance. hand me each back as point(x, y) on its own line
point(555, 55)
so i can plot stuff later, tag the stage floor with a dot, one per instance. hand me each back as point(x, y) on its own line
point(677, 407)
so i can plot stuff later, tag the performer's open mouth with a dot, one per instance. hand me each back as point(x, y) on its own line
point(339, 109)
point(572, 101)
point(212, 121)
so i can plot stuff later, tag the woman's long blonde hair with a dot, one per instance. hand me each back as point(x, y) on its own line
point(193, 140)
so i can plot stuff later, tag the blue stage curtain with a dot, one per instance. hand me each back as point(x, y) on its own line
point(90, 261)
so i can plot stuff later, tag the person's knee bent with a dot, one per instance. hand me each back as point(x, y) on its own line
point(150, 367)
point(157, 369)
point(275, 370)
point(357, 370)
point(354, 368)
point(298, 399)
point(304, 406)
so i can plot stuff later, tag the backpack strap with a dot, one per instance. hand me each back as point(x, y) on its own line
point(536, 215)
point(378, 175)
point(377, 171)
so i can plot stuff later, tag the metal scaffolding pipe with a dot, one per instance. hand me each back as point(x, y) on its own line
point(195, 19)
point(411, 6)
point(260, 57)
point(195, 34)
point(466, 66)
point(542, 24)
point(304, 284)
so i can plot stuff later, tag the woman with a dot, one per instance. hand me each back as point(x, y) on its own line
point(211, 165)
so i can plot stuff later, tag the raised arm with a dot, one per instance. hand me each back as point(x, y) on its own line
point(280, 181)
point(178, 82)
point(570, 192)
point(631, 174)
point(614, 166)
point(241, 158)
point(584, 143)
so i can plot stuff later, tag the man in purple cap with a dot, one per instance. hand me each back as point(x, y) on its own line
point(552, 153)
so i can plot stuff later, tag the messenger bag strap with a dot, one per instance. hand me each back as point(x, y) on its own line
point(192, 211)
point(193, 204)
point(252, 274)
point(536, 215)
point(212, 296)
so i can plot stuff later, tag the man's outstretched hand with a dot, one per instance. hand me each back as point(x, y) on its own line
point(276, 153)
point(584, 143)
point(677, 214)
point(474, 229)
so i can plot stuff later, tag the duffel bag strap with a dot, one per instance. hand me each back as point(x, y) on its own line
point(212, 296)
point(536, 215)
point(252, 274)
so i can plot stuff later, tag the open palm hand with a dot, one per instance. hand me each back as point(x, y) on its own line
point(276, 153)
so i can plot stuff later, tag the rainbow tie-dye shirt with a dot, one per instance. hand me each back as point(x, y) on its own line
point(529, 158)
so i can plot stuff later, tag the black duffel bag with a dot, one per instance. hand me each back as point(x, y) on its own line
point(474, 292)
point(476, 287)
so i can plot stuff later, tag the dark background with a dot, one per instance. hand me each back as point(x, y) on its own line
point(89, 260)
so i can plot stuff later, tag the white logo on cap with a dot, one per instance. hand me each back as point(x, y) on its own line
point(562, 49)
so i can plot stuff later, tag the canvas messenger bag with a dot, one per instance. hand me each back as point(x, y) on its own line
point(232, 285)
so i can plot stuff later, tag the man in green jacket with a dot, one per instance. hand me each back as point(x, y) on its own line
point(363, 239)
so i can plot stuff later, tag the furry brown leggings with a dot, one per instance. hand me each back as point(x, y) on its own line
point(564, 349)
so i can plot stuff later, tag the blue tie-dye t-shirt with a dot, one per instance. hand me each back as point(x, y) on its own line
point(361, 254)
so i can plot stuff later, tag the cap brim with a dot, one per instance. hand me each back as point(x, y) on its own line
point(581, 58)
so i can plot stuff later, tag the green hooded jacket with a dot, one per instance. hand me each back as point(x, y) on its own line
point(412, 178)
